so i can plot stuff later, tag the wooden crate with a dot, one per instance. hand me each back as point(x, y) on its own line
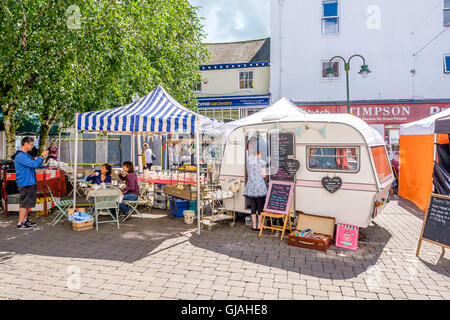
point(70, 211)
point(84, 225)
point(184, 193)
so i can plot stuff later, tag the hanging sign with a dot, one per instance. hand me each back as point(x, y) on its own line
point(331, 184)
point(436, 224)
point(291, 166)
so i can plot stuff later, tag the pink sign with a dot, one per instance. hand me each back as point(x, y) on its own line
point(389, 113)
point(279, 197)
point(347, 236)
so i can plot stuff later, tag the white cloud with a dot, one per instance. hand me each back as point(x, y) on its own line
point(234, 20)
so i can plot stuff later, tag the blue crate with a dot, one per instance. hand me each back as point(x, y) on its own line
point(177, 206)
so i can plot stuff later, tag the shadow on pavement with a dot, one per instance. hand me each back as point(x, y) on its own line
point(408, 206)
point(442, 266)
point(137, 238)
point(244, 244)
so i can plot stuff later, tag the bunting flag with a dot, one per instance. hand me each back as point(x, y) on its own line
point(276, 127)
point(323, 132)
point(299, 131)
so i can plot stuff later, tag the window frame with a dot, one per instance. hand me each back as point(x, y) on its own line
point(445, 9)
point(358, 157)
point(330, 17)
point(381, 182)
point(339, 69)
point(253, 80)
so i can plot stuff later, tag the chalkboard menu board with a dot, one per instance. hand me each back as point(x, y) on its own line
point(279, 197)
point(436, 224)
point(281, 148)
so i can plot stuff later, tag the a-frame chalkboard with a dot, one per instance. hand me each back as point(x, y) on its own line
point(436, 224)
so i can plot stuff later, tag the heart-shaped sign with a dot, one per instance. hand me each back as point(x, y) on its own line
point(291, 166)
point(332, 184)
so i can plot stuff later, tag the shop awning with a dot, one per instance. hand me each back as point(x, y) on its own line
point(156, 112)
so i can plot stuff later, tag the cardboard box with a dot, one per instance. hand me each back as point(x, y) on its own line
point(321, 226)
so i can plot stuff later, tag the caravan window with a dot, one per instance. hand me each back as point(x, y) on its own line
point(381, 163)
point(333, 159)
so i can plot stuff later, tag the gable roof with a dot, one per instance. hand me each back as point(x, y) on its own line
point(238, 52)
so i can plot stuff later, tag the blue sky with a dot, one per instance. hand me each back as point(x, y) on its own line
point(234, 20)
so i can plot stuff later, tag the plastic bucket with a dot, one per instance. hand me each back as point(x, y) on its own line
point(188, 216)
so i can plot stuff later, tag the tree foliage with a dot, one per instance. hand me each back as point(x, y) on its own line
point(63, 57)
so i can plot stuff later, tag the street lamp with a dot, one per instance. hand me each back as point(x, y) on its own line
point(364, 72)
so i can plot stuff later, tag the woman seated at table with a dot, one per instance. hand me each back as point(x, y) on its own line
point(100, 176)
point(131, 189)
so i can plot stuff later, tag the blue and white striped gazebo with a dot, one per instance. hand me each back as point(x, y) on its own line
point(157, 112)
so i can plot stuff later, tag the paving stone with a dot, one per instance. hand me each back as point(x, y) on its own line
point(229, 263)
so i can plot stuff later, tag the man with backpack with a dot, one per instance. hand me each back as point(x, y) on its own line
point(26, 180)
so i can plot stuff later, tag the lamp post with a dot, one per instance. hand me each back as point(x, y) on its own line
point(364, 72)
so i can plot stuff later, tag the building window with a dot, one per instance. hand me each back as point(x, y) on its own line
point(446, 13)
point(334, 65)
point(333, 158)
point(330, 18)
point(245, 80)
point(447, 64)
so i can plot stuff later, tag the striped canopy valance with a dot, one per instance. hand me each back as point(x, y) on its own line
point(155, 112)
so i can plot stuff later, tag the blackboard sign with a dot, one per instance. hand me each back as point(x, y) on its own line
point(281, 148)
point(291, 166)
point(436, 224)
point(331, 184)
point(279, 197)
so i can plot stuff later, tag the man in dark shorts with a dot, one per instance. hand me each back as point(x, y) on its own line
point(26, 180)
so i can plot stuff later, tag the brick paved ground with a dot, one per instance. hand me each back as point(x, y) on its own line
point(162, 258)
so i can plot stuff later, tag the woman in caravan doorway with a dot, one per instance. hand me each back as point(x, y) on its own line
point(255, 189)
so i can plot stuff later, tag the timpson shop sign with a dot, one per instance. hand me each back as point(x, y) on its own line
point(383, 113)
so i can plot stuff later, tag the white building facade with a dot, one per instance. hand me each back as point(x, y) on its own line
point(405, 43)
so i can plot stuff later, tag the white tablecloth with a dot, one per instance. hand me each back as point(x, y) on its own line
point(91, 192)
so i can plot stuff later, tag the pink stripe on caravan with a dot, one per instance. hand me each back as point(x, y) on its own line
point(224, 177)
point(318, 184)
point(345, 186)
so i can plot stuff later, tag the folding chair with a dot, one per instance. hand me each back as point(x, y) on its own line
point(104, 201)
point(63, 207)
point(143, 200)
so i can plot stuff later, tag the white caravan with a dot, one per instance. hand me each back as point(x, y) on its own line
point(326, 146)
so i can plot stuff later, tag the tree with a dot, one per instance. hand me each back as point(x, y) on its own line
point(64, 57)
